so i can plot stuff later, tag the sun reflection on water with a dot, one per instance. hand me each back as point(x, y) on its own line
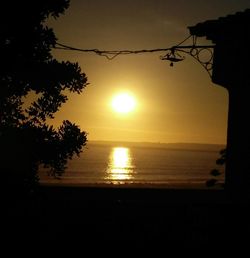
point(120, 167)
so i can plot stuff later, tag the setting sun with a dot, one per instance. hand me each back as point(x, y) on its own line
point(123, 103)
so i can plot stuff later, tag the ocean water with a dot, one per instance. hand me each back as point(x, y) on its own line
point(170, 165)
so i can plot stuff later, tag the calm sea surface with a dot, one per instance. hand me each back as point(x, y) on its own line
point(139, 164)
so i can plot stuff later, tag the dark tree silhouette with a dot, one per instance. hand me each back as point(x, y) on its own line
point(29, 71)
point(216, 172)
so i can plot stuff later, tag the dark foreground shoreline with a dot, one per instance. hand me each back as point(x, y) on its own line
point(128, 217)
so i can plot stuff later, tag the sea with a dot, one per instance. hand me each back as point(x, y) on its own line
point(173, 165)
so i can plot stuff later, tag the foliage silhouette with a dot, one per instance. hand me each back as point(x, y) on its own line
point(29, 71)
point(215, 172)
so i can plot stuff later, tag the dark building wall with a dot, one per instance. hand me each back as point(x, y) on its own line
point(231, 69)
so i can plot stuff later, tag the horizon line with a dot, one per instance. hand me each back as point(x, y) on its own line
point(155, 142)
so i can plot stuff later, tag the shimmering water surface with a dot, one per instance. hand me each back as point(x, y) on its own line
point(140, 164)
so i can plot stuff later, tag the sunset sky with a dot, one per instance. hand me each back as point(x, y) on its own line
point(169, 104)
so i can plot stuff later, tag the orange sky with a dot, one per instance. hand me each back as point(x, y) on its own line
point(174, 104)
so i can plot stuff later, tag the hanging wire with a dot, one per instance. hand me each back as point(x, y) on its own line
point(111, 54)
point(171, 54)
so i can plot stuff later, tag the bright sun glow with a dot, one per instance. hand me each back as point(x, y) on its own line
point(123, 103)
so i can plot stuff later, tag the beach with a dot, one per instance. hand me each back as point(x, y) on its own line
point(129, 217)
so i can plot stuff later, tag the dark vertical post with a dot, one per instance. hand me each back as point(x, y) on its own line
point(237, 179)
